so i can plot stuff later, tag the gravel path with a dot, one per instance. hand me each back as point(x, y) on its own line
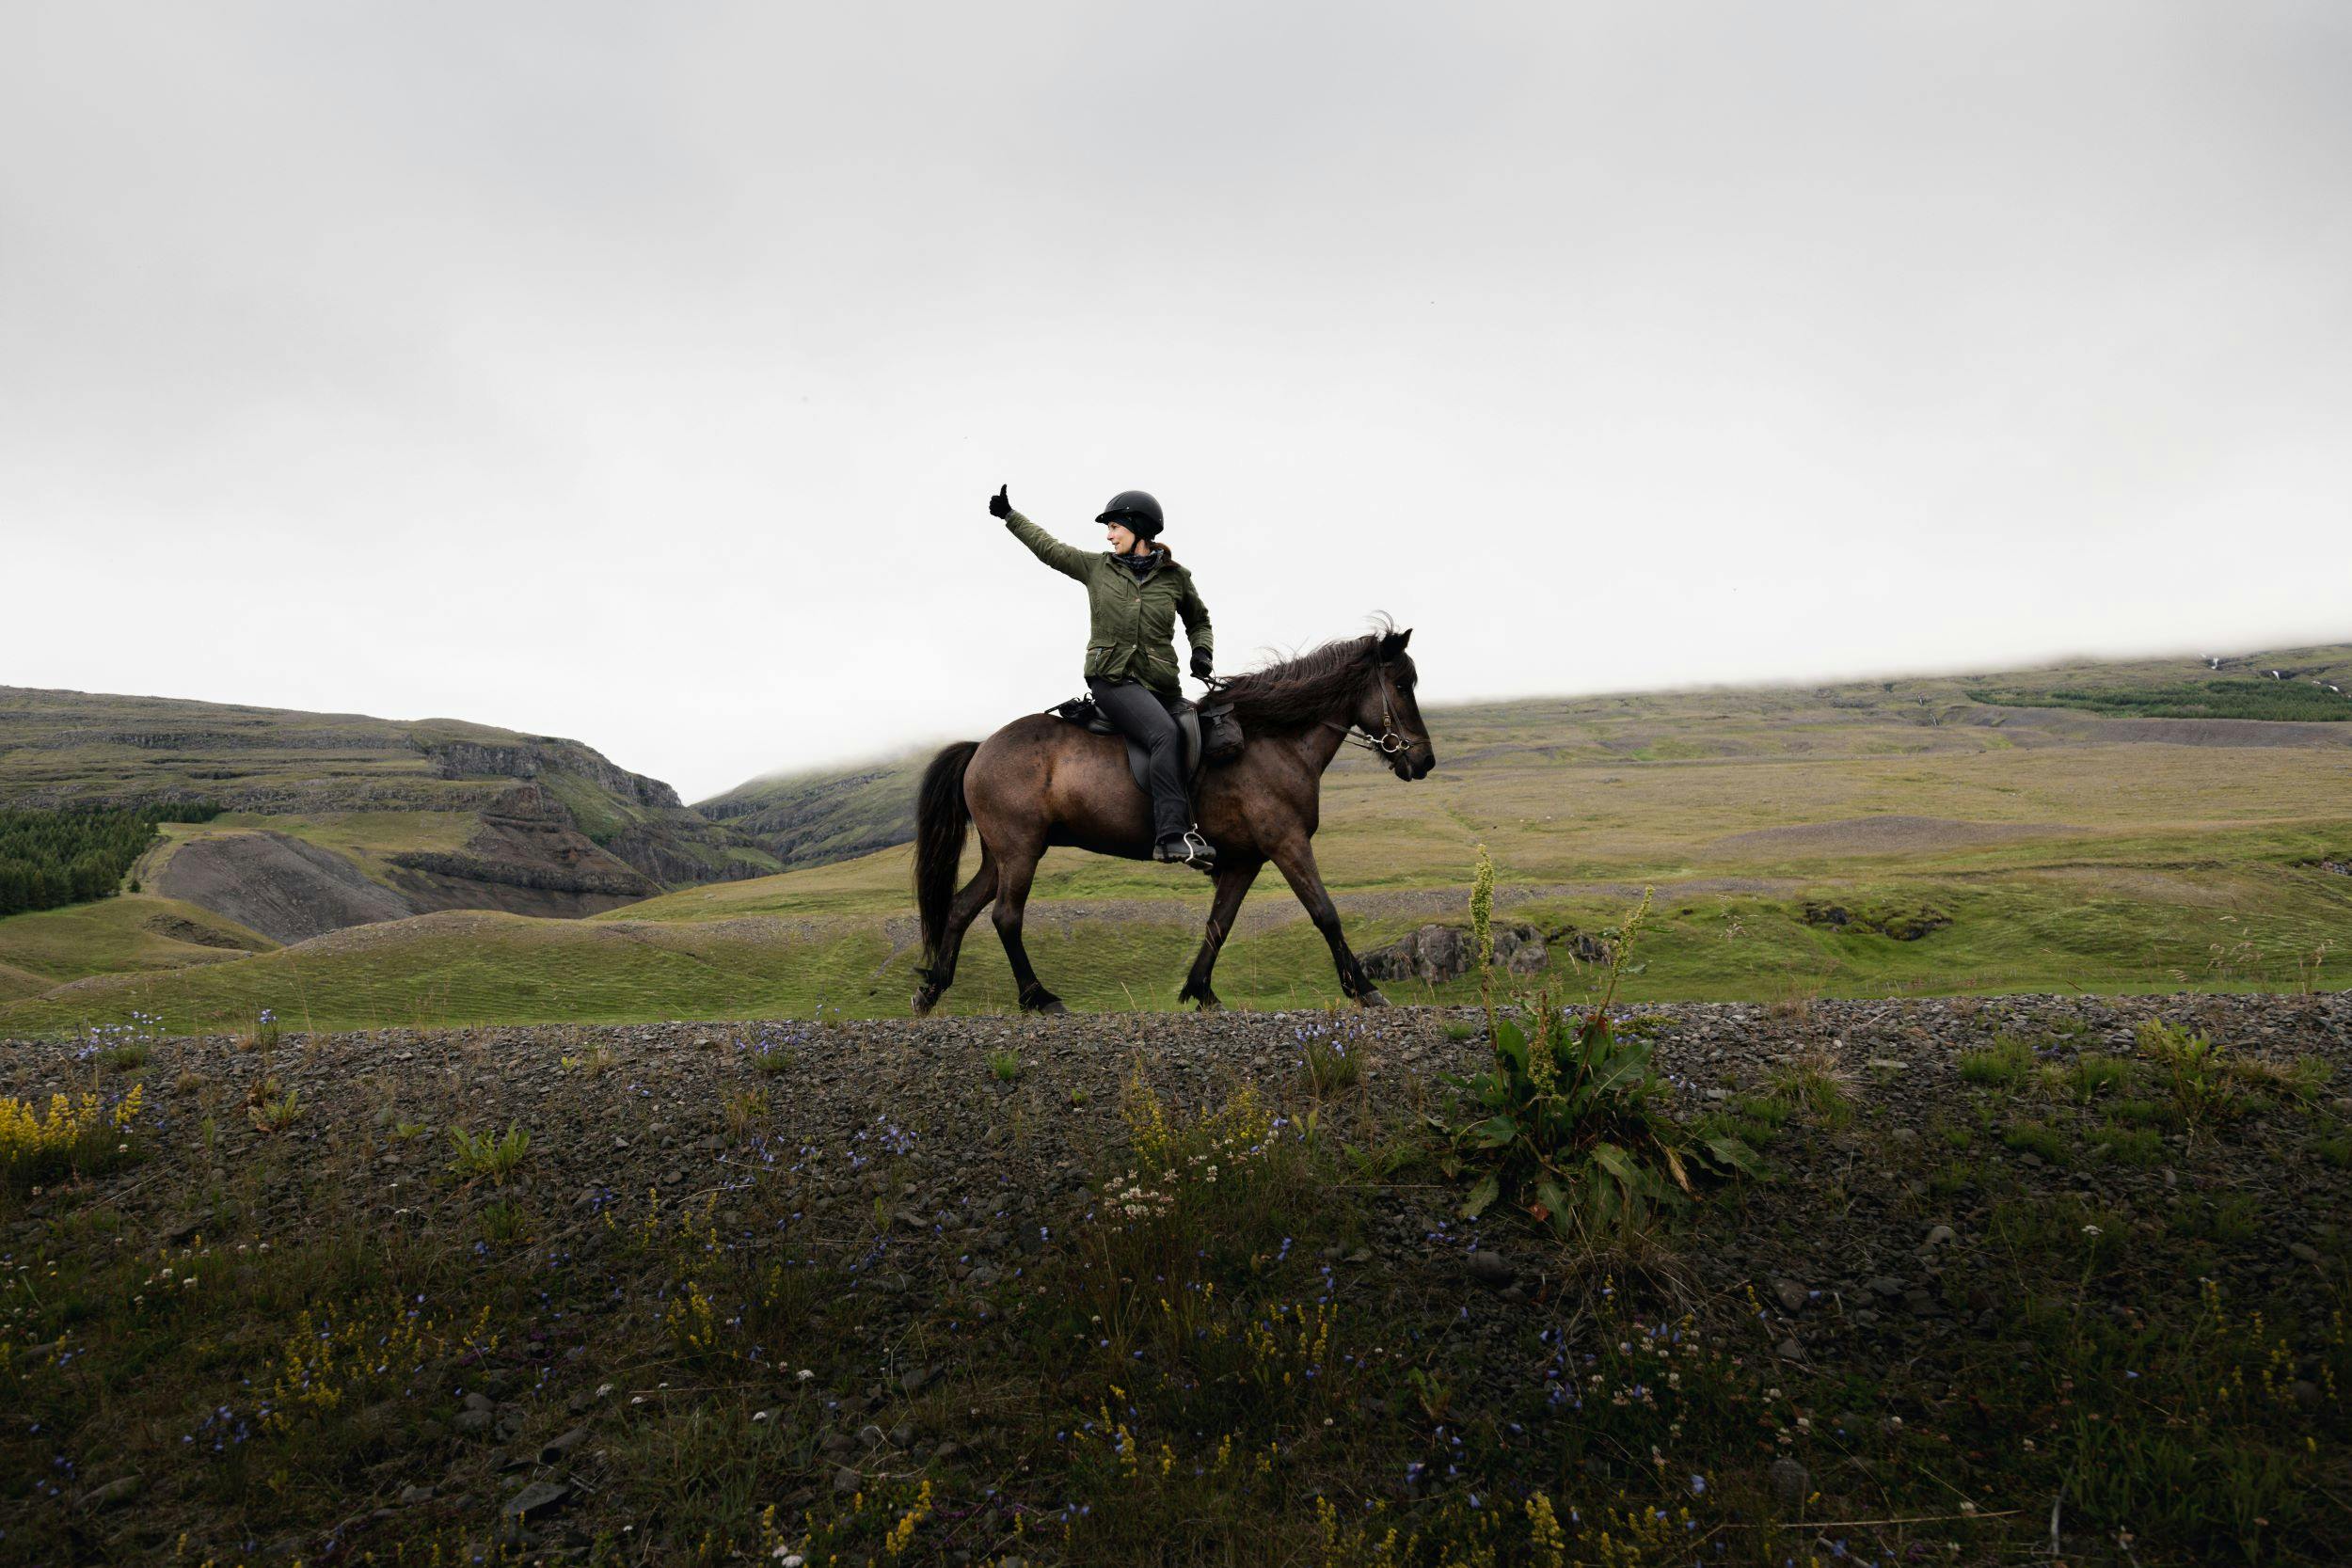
point(935, 1160)
point(993, 1160)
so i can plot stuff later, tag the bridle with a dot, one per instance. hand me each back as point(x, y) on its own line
point(1390, 741)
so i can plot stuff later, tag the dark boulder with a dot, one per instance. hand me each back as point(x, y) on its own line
point(1436, 954)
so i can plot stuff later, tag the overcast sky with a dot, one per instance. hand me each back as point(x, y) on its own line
point(639, 373)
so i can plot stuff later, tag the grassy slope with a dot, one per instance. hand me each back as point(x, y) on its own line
point(816, 818)
point(114, 935)
point(362, 837)
point(2065, 857)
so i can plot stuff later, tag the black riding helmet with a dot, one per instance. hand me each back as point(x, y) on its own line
point(1136, 510)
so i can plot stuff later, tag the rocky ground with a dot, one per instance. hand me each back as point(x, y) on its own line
point(1882, 1308)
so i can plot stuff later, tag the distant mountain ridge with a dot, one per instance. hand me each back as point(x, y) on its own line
point(817, 817)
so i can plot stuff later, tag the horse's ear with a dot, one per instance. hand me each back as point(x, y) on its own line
point(1392, 645)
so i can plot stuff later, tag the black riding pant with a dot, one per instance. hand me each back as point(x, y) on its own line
point(1141, 717)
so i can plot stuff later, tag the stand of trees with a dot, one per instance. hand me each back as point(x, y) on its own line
point(52, 858)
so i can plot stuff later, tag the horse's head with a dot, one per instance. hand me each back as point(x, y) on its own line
point(1389, 713)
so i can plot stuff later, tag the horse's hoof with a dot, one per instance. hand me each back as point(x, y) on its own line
point(1043, 1001)
point(925, 1000)
point(1371, 997)
point(1209, 1004)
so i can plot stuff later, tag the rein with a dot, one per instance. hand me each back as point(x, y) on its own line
point(1389, 742)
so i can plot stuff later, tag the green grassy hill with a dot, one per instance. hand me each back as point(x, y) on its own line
point(2040, 848)
point(336, 819)
point(135, 933)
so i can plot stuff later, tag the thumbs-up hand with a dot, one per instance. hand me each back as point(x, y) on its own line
point(998, 506)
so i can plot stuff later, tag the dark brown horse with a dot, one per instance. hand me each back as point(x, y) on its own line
point(1042, 782)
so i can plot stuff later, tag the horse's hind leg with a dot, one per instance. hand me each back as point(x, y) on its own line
point(1012, 897)
point(960, 913)
point(1233, 878)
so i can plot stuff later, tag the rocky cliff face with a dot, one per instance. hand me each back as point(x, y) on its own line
point(633, 820)
point(278, 885)
point(527, 839)
point(464, 759)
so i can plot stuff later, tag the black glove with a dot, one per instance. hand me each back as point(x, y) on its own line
point(1200, 665)
point(997, 505)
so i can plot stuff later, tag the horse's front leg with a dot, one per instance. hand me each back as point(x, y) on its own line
point(1296, 858)
point(1233, 876)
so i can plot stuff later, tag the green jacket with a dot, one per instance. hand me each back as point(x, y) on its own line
point(1133, 634)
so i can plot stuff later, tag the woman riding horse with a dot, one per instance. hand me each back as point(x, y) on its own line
point(1039, 782)
point(1136, 594)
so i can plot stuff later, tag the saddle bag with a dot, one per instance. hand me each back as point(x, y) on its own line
point(1221, 732)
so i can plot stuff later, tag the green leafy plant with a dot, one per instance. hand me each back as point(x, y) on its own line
point(1567, 1125)
point(271, 1111)
point(2196, 1071)
point(1004, 1064)
point(494, 1155)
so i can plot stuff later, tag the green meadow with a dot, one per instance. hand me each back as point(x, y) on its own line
point(2041, 849)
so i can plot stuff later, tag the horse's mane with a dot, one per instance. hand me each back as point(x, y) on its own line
point(1320, 683)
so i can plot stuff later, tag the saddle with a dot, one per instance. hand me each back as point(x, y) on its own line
point(1083, 712)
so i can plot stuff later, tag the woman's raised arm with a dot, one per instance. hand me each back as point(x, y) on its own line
point(1066, 559)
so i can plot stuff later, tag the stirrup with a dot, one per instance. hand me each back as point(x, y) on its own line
point(1196, 851)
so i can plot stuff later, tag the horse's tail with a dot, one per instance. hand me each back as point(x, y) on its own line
point(940, 818)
